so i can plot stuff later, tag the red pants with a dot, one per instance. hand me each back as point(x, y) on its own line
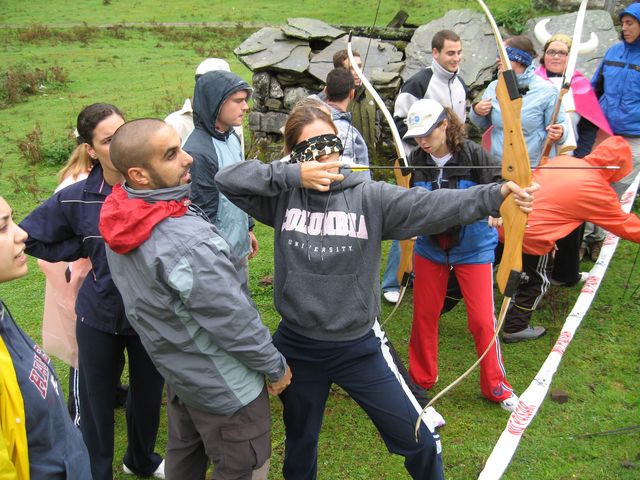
point(429, 289)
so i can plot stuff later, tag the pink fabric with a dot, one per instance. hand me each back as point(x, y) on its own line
point(59, 317)
point(584, 98)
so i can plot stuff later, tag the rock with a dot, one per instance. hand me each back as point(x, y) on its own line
point(269, 48)
point(293, 95)
point(254, 121)
point(559, 396)
point(380, 54)
point(386, 84)
point(566, 5)
point(311, 29)
point(261, 82)
point(478, 46)
point(292, 79)
point(383, 78)
point(273, 104)
point(266, 281)
point(275, 90)
point(627, 464)
point(272, 122)
point(597, 21)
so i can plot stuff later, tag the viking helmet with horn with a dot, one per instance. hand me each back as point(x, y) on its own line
point(545, 38)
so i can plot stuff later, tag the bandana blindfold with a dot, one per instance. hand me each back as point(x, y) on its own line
point(316, 147)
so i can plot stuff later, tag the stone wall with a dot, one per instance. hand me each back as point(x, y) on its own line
point(291, 62)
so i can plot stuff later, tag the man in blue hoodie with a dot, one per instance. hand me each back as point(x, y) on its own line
point(220, 101)
point(617, 83)
point(184, 294)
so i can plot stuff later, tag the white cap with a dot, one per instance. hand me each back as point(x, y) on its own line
point(211, 64)
point(423, 117)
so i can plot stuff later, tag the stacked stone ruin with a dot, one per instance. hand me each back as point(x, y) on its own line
point(291, 62)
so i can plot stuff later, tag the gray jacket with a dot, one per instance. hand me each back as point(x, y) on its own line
point(184, 296)
point(327, 244)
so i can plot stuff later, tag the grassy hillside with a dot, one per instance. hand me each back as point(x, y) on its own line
point(148, 71)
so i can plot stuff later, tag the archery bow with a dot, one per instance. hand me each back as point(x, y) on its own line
point(515, 167)
point(568, 74)
point(402, 179)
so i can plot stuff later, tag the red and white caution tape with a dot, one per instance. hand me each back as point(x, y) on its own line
point(532, 398)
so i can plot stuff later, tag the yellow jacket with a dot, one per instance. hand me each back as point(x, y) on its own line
point(14, 456)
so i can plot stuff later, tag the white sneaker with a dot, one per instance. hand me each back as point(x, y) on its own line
point(509, 404)
point(433, 419)
point(437, 418)
point(159, 473)
point(583, 277)
point(391, 296)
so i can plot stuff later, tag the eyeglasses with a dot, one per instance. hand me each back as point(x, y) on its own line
point(556, 53)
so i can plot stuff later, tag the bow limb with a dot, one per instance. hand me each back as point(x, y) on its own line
point(515, 167)
point(406, 246)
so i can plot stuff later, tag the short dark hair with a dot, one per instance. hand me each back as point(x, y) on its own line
point(341, 55)
point(438, 39)
point(339, 84)
point(130, 144)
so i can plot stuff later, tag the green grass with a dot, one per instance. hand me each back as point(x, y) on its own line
point(149, 72)
point(355, 12)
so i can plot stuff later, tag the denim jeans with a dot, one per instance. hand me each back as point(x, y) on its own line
point(390, 277)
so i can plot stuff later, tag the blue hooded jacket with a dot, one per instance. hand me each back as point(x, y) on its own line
point(212, 151)
point(617, 83)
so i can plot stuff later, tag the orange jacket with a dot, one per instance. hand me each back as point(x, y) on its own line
point(568, 198)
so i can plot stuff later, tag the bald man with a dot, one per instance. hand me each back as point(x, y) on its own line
point(181, 286)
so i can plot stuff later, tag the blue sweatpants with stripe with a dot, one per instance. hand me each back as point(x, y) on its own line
point(365, 370)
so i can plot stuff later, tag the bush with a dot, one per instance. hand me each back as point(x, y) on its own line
point(58, 152)
point(34, 151)
point(515, 18)
point(20, 81)
point(31, 147)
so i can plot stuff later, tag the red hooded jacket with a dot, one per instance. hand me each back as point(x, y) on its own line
point(568, 198)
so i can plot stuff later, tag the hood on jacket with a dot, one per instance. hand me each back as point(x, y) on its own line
point(210, 92)
point(615, 152)
point(632, 10)
point(126, 223)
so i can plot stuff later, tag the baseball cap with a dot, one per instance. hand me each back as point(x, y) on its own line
point(211, 64)
point(423, 117)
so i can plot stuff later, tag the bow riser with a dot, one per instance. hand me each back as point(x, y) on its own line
point(515, 166)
